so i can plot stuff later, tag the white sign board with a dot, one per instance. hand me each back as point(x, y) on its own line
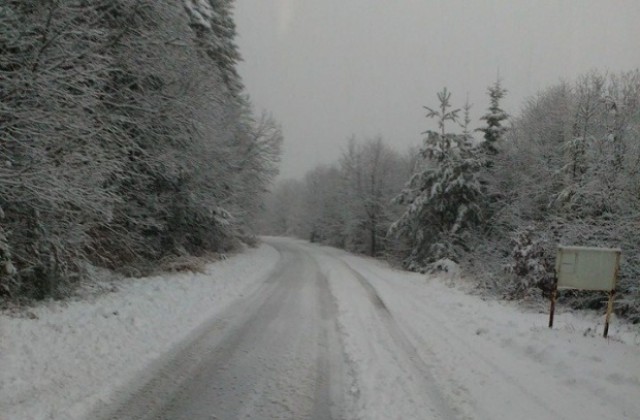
point(585, 268)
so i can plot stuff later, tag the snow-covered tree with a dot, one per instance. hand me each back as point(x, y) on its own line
point(466, 118)
point(346, 204)
point(371, 176)
point(212, 20)
point(126, 138)
point(284, 211)
point(325, 210)
point(52, 69)
point(442, 198)
point(562, 172)
point(495, 117)
point(532, 266)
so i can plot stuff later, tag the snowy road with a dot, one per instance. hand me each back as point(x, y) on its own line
point(333, 336)
point(297, 331)
point(274, 355)
point(280, 354)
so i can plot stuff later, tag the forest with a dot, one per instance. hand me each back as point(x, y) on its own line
point(493, 198)
point(128, 140)
point(299, 209)
point(129, 143)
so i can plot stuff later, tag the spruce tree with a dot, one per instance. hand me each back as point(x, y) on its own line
point(442, 197)
point(494, 130)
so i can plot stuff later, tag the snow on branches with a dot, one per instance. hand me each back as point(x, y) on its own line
point(442, 198)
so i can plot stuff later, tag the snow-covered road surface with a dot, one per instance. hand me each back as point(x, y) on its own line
point(423, 349)
point(274, 355)
point(317, 333)
point(65, 358)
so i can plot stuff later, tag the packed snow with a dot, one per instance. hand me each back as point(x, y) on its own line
point(416, 346)
point(66, 357)
point(477, 358)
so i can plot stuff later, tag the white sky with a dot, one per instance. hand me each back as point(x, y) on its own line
point(328, 69)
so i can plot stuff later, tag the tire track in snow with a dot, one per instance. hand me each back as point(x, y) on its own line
point(147, 396)
point(537, 396)
point(404, 346)
point(275, 354)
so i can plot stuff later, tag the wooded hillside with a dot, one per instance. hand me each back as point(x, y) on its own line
point(126, 138)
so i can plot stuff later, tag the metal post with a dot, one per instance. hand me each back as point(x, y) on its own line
point(612, 294)
point(609, 310)
point(554, 294)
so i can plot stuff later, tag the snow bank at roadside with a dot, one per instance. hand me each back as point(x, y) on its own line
point(76, 353)
point(496, 360)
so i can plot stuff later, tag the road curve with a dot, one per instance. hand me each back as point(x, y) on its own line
point(329, 335)
point(274, 355)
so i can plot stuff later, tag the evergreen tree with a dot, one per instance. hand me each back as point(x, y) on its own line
point(466, 118)
point(442, 197)
point(494, 130)
point(212, 20)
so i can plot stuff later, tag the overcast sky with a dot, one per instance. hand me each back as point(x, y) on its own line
point(329, 69)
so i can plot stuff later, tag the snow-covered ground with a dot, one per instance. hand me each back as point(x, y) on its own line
point(424, 348)
point(67, 357)
point(414, 346)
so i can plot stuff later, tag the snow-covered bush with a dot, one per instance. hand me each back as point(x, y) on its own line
point(532, 266)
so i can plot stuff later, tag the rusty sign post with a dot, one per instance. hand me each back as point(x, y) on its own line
point(554, 295)
point(585, 268)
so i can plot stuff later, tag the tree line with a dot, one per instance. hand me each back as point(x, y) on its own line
point(564, 170)
point(126, 138)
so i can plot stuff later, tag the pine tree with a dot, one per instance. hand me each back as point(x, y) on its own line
point(442, 197)
point(494, 130)
point(466, 118)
